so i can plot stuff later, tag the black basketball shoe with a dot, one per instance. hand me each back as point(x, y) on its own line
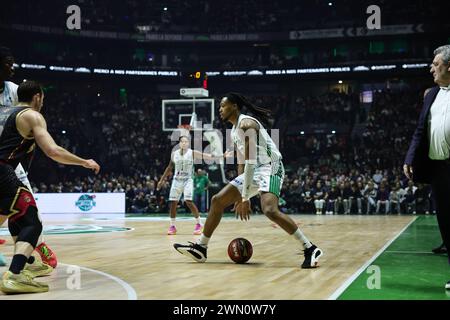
point(440, 250)
point(192, 250)
point(447, 286)
point(312, 256)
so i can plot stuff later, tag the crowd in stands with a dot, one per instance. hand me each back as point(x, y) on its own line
point(343, 173)
point(210, 17)
point(203, 16)
point(384, 192)
point(91, 53)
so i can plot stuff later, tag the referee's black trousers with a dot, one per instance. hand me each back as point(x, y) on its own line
point(440, 185)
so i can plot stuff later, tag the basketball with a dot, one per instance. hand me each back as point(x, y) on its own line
point(240, 250)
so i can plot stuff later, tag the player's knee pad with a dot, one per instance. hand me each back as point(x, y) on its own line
point(25, 224)
point(29, 227)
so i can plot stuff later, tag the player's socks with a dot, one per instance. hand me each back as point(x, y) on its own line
point(302, 238)
point(203, 241)
point(18, 263)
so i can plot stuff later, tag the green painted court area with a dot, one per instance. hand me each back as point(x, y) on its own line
point(408, 270)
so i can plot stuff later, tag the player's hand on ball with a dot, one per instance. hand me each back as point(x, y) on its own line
point(243, 210)
point(91, 164)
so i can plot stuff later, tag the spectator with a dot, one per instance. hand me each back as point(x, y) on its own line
point(201, 184)
point(319, 194)
point(382, 199)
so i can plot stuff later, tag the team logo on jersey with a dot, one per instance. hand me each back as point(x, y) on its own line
point(85, 202)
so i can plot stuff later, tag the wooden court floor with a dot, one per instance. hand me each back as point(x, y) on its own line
point(142, 264)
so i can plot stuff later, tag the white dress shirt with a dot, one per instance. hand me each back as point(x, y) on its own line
point(439, 126)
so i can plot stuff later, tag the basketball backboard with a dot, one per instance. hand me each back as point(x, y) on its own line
point(178, 112)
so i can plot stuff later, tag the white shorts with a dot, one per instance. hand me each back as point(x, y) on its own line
point(267, 178)
point(23, 177)
point(179, 187)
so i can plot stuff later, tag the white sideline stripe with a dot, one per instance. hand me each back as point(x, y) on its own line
point(131, 293)
point(353, 277)
point(410, 252)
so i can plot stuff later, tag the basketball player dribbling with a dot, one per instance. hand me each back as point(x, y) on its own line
point(8, 98)
point(182, 160)
point(262, 172)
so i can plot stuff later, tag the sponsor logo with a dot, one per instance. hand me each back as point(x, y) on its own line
point(85, 202)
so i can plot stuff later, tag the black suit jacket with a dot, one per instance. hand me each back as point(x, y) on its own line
point(417, 155)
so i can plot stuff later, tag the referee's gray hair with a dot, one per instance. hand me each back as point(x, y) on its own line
point(445, 51)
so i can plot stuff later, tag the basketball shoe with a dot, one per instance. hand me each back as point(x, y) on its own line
point(21, 283)
point(198, 229)
point(440, 250)
point(172, 231)
point(312, 256)
point(192, 250)
point(47, 255)
point(447, 286)
point(38, 269)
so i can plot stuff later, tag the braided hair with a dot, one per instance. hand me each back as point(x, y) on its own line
point(262, 114)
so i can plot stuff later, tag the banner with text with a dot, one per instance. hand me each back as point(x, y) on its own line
point(80, 202)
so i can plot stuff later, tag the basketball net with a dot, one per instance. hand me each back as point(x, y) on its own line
point(193, 122)
point(187, 127)
point(184, 129)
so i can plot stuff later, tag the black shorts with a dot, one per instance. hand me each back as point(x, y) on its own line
point(14, 195)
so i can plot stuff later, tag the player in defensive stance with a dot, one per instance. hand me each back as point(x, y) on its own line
point(182, 160)
point(262, 172)
point(21, 127)
point(8, 98)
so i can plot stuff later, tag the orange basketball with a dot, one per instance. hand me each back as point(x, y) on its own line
point(240, 250)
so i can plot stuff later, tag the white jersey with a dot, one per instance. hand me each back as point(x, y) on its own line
point(184, 164)
point(267, 151)
point(8, 98)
